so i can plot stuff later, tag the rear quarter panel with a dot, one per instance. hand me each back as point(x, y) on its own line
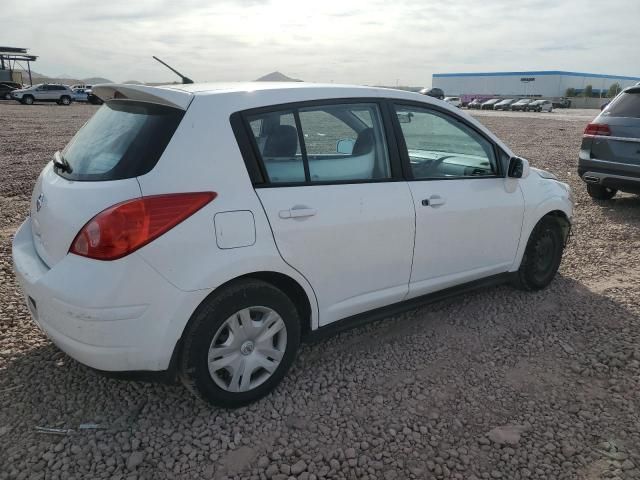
point(203, 156)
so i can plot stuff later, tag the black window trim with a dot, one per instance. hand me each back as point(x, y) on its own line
point(406, 165)
point(253, 161)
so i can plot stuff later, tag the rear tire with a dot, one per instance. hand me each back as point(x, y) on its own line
point(229, 333)
point(542, 256)
point(600, 192)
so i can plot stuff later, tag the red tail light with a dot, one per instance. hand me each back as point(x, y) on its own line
point(597, 129)
point(127, 226)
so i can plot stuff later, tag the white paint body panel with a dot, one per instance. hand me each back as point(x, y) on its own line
point(355, 251)
point(474, 233)
point(66, 206)
point(235, 229)
point(353, 255)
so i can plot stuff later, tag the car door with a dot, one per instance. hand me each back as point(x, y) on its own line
point(46, 93)
point(468, 215)
point(339, 210)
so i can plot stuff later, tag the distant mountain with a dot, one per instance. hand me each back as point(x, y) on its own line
point(64, 79)
point(277, 77)
point(95, 80)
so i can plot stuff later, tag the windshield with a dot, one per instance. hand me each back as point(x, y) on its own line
point(123, 139)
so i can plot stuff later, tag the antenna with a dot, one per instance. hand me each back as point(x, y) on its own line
point(184, 79)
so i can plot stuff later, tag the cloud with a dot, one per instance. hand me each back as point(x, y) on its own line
point(373, 42)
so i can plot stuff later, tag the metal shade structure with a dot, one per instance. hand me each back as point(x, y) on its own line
point(12, 56)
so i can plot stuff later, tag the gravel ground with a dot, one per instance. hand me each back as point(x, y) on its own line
point(498, 384)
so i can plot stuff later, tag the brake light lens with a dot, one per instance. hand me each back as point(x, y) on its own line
point(597, 129)
point(125, 227)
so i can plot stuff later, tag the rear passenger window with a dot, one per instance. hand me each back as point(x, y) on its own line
point(340, 143)
point(277, 139)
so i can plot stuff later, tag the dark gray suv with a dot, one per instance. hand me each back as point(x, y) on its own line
point(609, 158)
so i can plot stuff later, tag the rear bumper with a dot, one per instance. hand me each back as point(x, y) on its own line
point(111, 316)
point(620, 176)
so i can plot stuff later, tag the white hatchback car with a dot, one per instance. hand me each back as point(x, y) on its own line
point(202, 230)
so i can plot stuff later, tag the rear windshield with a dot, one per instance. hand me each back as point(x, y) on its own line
point(124, 139)
point(627, 104)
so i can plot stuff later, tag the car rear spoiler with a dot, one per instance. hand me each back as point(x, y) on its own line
point(142, 93)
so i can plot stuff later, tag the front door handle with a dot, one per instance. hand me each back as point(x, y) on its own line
point(297, 212)
point(433, 201)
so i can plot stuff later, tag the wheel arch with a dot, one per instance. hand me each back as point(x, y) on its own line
point(291, 287)
point(555, 207)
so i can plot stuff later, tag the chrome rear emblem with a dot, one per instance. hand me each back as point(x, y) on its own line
point(39, 202)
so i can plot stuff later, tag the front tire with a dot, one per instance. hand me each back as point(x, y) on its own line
point(600, 192)
point(27, 100)
point(65, 100)
point(240, 343)
point(542, 256)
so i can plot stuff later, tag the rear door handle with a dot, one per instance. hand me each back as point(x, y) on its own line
point(433, 201)
point(299, 212)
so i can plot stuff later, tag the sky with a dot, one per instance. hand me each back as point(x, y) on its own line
point(399, 42)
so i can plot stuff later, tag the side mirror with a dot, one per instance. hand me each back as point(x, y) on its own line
point(518, 168)
point(345, 146)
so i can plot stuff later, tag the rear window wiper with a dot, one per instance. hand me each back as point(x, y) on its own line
point(60, 162)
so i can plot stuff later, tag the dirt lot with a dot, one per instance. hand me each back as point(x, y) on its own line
point(495, 385)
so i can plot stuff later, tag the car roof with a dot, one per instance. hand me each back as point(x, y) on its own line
point(241, 87)
point(245, 96)
point(255, 93)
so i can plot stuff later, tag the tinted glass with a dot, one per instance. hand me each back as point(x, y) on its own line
point(123, 139)
point(276, 137)
point(439, 146)
point(627, 104)
point(344, 142)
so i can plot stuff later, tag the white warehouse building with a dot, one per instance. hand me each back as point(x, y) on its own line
point(551, 83)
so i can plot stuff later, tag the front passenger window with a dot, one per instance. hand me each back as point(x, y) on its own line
point(441, 147)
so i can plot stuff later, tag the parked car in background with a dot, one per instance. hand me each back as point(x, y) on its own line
point(14, 84)
point(314, 213)
point(5, 91)
point(563, 102)
point(475, 103)
point(433, 92)
point(454, 101)
point(609, 158)
point(92, 98)
point(489, 104)
point(80, 94)
point(521, 104)
point(539, 106)
point(44, 92)
point(504, 104)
